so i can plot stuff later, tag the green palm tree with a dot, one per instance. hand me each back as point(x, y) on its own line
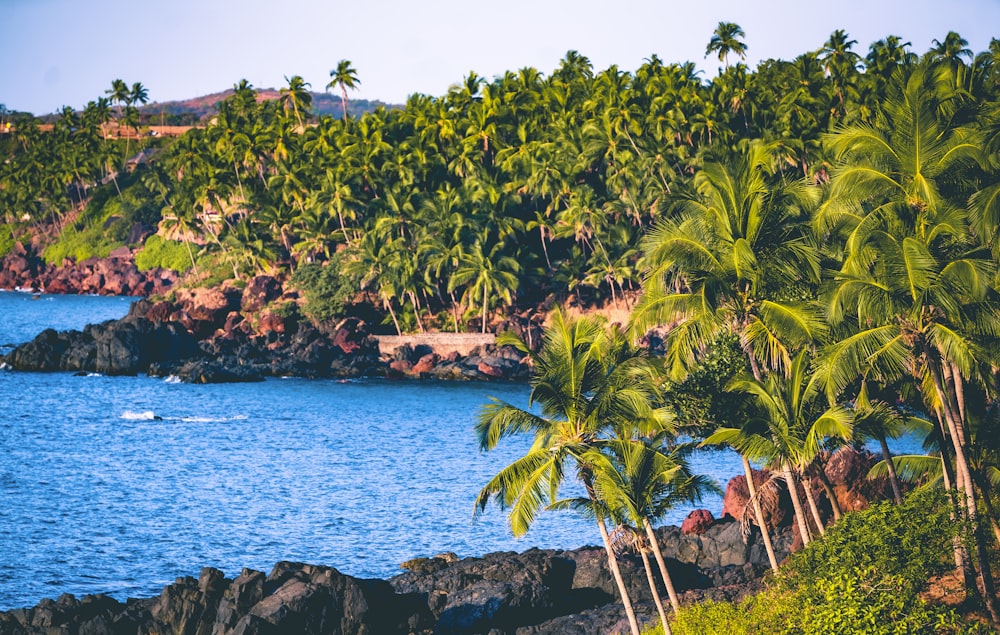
point(724, 263)
point(344, 76)
point(726, 40)
point(639, 484)
point(914, 296)
point(296, 98)
point(789, 432)
point(586, 382)
point(486, 273)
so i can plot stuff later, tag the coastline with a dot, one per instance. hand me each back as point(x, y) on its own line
point(535, 591)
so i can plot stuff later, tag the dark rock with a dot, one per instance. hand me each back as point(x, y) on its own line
point(502, 590)
point(203, 371)
point(259, 292)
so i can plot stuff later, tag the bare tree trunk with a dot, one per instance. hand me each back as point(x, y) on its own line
point(656, 594)
point(800, 516)
point(616, 572)
point(759, 514)
point(897, 494)
point(658, 554)
point(830, 494)
point(987, 589)
point(811, 499)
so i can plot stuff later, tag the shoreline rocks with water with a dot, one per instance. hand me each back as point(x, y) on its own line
point(115, 275)
point(537, 591)
point(228, 334)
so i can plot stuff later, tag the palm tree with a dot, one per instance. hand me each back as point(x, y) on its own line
point(789, 431)
point(486, 272)
point(639, 483)
point(296, 98)
point(726, 40)
point(724, 262)
point(913, 297)
point(587, 381)
point(344, 76)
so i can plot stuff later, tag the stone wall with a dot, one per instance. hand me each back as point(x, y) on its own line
point(442, 343)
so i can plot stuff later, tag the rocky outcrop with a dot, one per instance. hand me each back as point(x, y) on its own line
point(229, 334)
point(115, 275)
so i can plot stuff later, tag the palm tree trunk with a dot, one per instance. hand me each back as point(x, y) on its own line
point(759, 514)
point(811, 499)
point(988, 590)
point(800, 517)
point(653, 590)
point(616, 572)
point(962, 566)
point(388, 305)
point(897, 494)
point(830, 494)
point(658, 554)
point(485, 297)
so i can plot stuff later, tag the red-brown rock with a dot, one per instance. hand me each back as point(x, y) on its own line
point(489, 370)
point(425, 364)
point(269, 322)
point(259, 292)
point(697, 522)
point(400, 366)
point(776, 507)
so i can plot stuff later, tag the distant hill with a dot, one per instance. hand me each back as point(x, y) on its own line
point(191, 111)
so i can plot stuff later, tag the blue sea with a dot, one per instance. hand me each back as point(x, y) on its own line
point(120, 485)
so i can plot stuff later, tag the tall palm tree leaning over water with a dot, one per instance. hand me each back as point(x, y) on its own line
point(590, 386)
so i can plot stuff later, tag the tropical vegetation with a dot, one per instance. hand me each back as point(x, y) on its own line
point(815, 243)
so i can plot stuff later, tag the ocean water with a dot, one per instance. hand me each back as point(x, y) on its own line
point(119, 485)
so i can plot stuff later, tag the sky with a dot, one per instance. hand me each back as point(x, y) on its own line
point(56, 53)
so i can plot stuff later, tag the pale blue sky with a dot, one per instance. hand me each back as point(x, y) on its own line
point(67, 52)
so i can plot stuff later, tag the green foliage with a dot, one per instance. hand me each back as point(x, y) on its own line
point(105, 222)
point(862, 577)
point(163, 253)
point(907, 543)
point(6, 238)
point(700, 402)
point(328, 290)
point(80, 245)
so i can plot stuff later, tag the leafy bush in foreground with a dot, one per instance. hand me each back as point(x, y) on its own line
point(863, 577)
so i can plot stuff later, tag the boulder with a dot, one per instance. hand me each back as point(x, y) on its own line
point(697, 522)
point(775, 503)
point(498, 591)
point(259, 292)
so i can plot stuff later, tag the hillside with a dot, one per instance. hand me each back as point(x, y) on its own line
point(199, 108)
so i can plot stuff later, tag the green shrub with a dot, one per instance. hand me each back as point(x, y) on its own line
point(327, 291)
point(80, 245)
point(863, 577)
point(160, 252)
point(6, 239)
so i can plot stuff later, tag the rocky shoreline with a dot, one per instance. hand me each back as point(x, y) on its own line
point(222, 334)
point(539, 591)
point(534, 592)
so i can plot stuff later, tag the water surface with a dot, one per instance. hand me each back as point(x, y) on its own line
point(122, 484)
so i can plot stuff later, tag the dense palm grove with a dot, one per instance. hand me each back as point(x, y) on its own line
point(830, 221)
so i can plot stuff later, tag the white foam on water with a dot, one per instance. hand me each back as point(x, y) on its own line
point(171, 379)
point(213, 419)
point(147, 415)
